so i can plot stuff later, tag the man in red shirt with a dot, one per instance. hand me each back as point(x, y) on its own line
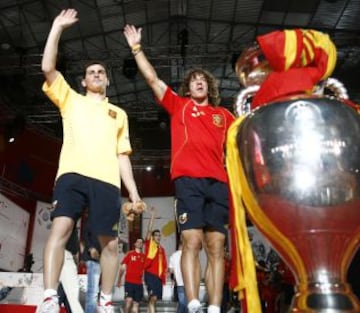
point(155, 264)
point(133, 265)
point(198, 136)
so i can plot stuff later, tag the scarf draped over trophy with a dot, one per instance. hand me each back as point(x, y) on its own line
point(299, 60)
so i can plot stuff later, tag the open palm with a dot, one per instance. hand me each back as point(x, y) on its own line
point(66, 18)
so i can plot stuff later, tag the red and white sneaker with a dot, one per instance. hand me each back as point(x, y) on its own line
point(49, 305)
point(106, 308)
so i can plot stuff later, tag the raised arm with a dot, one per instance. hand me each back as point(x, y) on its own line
point(133, 37)
point(48, 64)
point(127, 177)
point(151, 223)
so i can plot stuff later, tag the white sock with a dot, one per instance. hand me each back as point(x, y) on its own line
point(213, 309)
point(194, 305)
point(48, 293)
point(104, 299)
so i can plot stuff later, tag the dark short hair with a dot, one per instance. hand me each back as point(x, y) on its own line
point(155, 231)
point(92, 62)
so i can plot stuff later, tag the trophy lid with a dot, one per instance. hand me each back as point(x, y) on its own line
point(251, 67)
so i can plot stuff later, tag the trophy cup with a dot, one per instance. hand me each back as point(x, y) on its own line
point(299, 161)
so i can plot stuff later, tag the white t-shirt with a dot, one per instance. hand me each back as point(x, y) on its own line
point(174, 265)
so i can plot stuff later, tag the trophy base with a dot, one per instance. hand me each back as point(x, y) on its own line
point(325, 298)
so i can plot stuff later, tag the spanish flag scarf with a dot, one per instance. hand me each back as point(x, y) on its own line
point(243, 274)
point(153, 250)
point(300, 58)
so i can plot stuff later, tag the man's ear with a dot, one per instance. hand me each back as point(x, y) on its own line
point(108, 83)
point(83, 83)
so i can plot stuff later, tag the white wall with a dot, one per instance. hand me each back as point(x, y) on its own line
point(41, 232)
point(14, 224)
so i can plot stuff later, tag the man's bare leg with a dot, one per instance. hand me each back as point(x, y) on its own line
point(109, 263)
point(214, 274)
point(135, 307)
point(152, 304)
point(190, 264)
point(128, 304)
point(60, 232)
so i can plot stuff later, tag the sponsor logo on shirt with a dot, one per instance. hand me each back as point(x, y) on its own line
point(196, 112)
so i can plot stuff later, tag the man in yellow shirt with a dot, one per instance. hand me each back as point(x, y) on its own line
point(95, 150)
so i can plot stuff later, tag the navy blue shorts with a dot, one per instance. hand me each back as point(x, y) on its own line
point(153, 285)
point(201, 203)
point(134, 291)
point(73, 193)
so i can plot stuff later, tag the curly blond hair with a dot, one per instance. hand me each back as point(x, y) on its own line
point(213, 88)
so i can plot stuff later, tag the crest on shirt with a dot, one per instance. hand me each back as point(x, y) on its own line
point(112, 113)
point(183, 218)
point(218, 120)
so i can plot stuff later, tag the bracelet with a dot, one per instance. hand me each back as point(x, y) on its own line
point(136, 49)
point(136, 52)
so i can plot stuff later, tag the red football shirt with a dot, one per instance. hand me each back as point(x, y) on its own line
point(198, 135)
point(134, 262)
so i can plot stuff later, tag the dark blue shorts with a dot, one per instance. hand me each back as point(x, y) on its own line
point(134, 291)
point(201, 203)
point(73, 193)
point(153, 285)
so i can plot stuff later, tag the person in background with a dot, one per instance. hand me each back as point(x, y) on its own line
point(91, 256)
point(94, 158)
point(133, 267)
point(175, 268)
point(155, 264)
point(198, 137)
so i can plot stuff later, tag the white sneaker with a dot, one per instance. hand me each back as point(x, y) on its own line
point(107, 308)
point(49, 305)
point(195, 309)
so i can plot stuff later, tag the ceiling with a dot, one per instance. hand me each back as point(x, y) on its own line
point(177, 35)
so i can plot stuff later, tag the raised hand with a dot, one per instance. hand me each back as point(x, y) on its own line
point(66, 18)
point(132, 35)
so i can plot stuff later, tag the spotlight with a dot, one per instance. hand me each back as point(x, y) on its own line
point(15, 128)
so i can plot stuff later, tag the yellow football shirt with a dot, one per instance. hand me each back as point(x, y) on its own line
point(95, 132)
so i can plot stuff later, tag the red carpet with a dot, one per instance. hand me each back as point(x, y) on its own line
point(15, 308)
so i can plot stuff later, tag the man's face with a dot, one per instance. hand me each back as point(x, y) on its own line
point(96, 79)
point(198, 86)
point(138, 244)
point(157, 237)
